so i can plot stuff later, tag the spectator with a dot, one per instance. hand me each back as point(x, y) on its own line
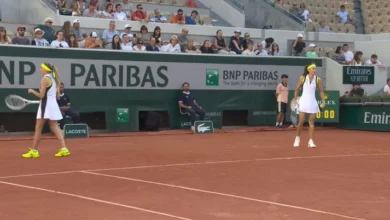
point(158, 17)
point(59, 42)
point(126, 44)
point(305, 13)
point(251, 50)
point(20, 38)
point(339, 56)
point(4, 39)
point(109, 33)
point(348, 55)
point(143, 34)
point(61, 4)
point(247, 38)
point(295, 10)
point(96, 3)
point(179, 17)
point(357, 59)
point(127, 31)
point(72, 42)
point(65, 107)
point(386, 89)
point(157, 35)
point(127, 8)
point(108, 12)
point(236, 42)
point(220, 44)
point(66, 29)
point(356, 90)
point(298, 46)
point(139, 15)
point(183, 40)
point(267, 43)
point(206, 47)
point(140, 45)
point(275, 51)
point(47, 29)
point(92, 42)
point(191, 20)
point(343, 15)
point(373, 61)
point(311, 52)
point(119, 14)
point(190, 47)
point(152, 45)
point(260, 50)
point(189, 105)
point(77, 31)
point(74, 7)
point(173, 46)
point(2, 129)
point(91, 11)
point(81, 5)
point(191, 4)
point(39, 40)
point(323, 27)
point(116, 43)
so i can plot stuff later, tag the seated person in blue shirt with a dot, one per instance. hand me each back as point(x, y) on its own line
point(64, 104)
point(192, 19)
point(188, 105)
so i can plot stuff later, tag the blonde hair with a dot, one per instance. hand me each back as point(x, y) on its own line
point(56, 75)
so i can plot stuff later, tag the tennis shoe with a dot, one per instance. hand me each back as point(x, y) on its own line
point(63, 152)
point(311, 144)
point(297, 141)
point(31, 154)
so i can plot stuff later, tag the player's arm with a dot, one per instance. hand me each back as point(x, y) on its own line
point(277, 92)
point(321, 89)
point(298, 87)
point(45, 82)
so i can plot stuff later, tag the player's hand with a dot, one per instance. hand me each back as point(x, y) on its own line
point(30, 91)
point(322, 105)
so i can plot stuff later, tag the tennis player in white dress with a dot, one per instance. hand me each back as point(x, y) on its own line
point(48, 110)
point(309, 83)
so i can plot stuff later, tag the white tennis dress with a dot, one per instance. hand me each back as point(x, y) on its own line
point(308, 102)
point(48, 107)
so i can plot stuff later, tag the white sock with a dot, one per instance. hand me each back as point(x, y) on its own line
point(63, 148)
point(277, 123)
point(297, 137)
point(281, 123)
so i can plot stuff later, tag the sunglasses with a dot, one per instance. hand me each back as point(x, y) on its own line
point(141, 43)
point(140, 8)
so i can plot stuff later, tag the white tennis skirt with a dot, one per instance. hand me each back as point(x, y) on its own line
point(49, 109)
point(309, 106)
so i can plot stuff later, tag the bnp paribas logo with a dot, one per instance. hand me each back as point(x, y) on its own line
point(212, 77)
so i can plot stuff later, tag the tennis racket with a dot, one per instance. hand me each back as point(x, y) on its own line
point(294, 114)
point(17, 103)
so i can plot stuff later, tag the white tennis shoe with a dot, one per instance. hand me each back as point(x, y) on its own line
point(297, 141)
point(311, 144)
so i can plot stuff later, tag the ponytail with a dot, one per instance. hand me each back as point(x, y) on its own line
point(56, 76)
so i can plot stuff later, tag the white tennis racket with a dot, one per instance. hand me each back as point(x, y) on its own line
point(17, 103)
point(294, 114)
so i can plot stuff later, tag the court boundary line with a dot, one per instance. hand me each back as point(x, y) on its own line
point(194, 164)
point(93, 199)
point(222, 194)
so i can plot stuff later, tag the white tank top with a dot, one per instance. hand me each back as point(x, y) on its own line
point(51, 91)
point(309, 88)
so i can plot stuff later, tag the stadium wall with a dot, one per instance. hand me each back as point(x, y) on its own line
point(226, 11)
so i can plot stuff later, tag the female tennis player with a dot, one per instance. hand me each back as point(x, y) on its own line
point(309, 82)
point(48, 110)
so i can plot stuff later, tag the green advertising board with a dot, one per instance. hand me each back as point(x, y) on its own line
point(76, 131)
point(370, 118)
point(329, 114)
point(358, 74)
point(122, 115)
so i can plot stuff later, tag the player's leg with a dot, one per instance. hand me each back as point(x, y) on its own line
point(299, 128)
point(279, 116)
point(63, 150)
point(33, 152)
point(283, 110)
point(311, 130)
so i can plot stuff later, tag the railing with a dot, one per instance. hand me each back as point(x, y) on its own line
point(284, 11)
point(236, 4)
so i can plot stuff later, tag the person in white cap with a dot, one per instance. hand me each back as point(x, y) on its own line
point(47, 29)
point(311, 52)
point(77, 31)
point(39, 40)
point(127, 30)
point(92, 41)
point(298, 46)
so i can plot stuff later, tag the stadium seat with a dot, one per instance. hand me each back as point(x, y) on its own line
point(167, 2)
point(180, 2)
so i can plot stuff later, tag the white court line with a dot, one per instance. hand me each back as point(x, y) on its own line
point(94, 200)
point(223, 194)
point(194, 164)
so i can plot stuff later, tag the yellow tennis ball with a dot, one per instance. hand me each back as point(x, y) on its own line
point(322, 105)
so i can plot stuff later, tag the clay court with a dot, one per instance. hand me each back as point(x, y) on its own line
point(238, 175)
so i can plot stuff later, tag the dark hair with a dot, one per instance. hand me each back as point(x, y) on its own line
point(184, 83)
point(338, 49)
point(358, 53)
point(284, 76)
point(374, 56)
point(154, 32)
point(345, 45)
point(62, 83)
point(342, 6)
point(116, 46)
point(117, 5)
point(388, 80)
